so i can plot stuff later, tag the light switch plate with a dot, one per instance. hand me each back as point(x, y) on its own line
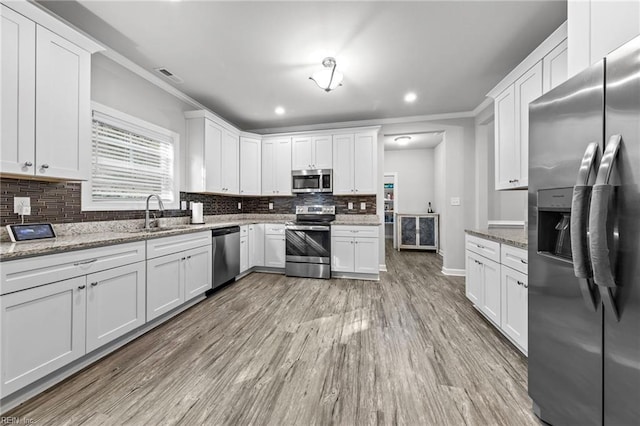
point(350, 206)
point(239, 206)
point(19, 203)
point(183, 205)
point(455, 201)
point(270, 206)
point(363, 206)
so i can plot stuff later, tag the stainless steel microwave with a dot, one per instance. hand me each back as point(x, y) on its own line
point(320, 180)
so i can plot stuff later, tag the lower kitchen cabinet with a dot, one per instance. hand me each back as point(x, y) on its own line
point(274, 245)
point(115, 303)
point(256, 245)
point(343, 254)
point(418, 231)
point(43, 329)
point(244, 254)
point(198, 270)
point(485, 285)
point(515, 305)
point(354, 249)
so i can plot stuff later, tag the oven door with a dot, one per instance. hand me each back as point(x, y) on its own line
point(308, 244)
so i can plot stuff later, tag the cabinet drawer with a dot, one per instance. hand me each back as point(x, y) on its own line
point(273, 229)
point(168, 245)
point(515, 258)
point(21, 274)
point(355, 231)
point(486, 248)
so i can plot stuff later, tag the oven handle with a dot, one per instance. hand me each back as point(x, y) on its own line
point(308, 228)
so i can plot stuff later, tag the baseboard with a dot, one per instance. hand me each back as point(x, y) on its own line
point(441, 253)
point(354, 276)
point(382, 267)
point(454, 272)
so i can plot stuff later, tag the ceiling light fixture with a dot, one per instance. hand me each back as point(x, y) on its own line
point(410, 97)
point(402, 140)
point(280, 110)
point(328, 78)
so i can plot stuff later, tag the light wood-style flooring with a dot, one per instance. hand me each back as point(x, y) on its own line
point(276, 350)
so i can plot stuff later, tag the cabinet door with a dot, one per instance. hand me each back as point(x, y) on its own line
point(230, 163)
point(63, 107)
point(473, 283)
point(343, 254)
point(302, 153)
point(366, 256)
point(506, 162)
point(283, 166)
point(164, 284)
point(274, 251)
point(212, 156)
point(198, 268)
point(492, 294)
point(115, 303)
point(343, 164)
point(527, 88)
point(244, 254)
point(269, 167)
point(554, 67)
point(256, 245)
point(18, 89)
point(427, 232)
point(515, 305)
point(408, 231)
point(365, 159)
point(250, 164)
point(322, 152)
point(42, 329)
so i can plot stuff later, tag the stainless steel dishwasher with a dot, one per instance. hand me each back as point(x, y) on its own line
point(226, 254)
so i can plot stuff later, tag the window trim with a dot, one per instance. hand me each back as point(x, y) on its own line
point(144, 128)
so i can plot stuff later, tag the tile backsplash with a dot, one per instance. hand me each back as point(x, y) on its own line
point(59, 202)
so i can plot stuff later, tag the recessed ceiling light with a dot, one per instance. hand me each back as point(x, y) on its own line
point(280, 110)
point(410, 97)
point(402, 140)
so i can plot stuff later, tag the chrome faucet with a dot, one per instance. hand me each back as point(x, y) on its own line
point(147, 224)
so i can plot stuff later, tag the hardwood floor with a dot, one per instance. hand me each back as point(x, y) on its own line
point(275, 350)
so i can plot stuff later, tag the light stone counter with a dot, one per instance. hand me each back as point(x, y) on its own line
point(516, 237)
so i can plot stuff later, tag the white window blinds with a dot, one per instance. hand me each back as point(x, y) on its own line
point(130, 160)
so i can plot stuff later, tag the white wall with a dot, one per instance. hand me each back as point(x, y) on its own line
point(415, 186)
point(439, 183)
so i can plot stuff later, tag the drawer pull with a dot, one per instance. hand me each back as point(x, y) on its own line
point(523, 261)
point(28, 164)
point(94, 284)
point(82, 287)
point(86, 262)
point(480, 247)
point(520, 282)
point(526, 285)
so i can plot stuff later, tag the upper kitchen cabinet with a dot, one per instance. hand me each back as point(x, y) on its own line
point(598, 27)
point(213, 155)
point(250, 165)
point(276, 166)
point(542, 70)
point(355, 158)
point(46, 105)
point(312, 152)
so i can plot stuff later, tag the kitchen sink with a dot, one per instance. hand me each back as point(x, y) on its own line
point(160, 229)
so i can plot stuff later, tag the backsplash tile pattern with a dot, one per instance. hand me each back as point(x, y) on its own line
point(59, 202)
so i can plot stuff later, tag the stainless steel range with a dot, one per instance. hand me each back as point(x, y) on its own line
point(308, 242)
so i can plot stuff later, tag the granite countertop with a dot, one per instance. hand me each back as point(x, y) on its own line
point(79, 236)
point(516, 237)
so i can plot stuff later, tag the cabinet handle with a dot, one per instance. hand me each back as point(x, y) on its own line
point(86, 262)
point(525, 285)
point(356, 242)
point(523, 261)
point(356, 190)
point(28, 164)
point(94, 284)
point(188, 257)
point(479, 246)
point(82, 287)
point(351, 242)
point(520, 282)
point(45, 166)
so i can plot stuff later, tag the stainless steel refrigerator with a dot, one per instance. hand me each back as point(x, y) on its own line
point(584, 246)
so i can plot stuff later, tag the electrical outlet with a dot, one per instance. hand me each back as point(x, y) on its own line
point(270, 206)
point(455, 201)
point(239, 205)
point(26, 210)
point(350, 206)
point(363, 206)
point(190, 205)
point(19, 203)
point(183, 205)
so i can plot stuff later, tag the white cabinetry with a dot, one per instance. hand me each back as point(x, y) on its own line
point(598, 27)
point(274, 245)
point(230, 161)
point(354, 249)
point(312, 152)
point(355, 158)
point(515, 298)
point(276, 166)
point(256, 245)
point(554, 67)
point(250, 166)
point(178, 269)
point(46, 109)
point(244, 248)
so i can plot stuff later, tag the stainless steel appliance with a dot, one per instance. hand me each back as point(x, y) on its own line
point(308, 242)
point(584, 246)
point(320, 180)
point(226, 254)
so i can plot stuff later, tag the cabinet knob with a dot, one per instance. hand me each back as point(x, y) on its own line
point(94, 284)
point(525, 285)
point(356, 190)
point(45, 166)
point(188, 257)
point(523, 261)
point(82, 287)
point(520, 282)
point(28, 164)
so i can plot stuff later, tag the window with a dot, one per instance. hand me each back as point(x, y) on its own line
point(130, 159)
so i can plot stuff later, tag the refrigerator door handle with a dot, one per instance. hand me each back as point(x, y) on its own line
point(598, 216)
point(578, 227)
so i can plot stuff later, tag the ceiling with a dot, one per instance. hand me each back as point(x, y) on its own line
point(421, 140)
point(243, 59)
